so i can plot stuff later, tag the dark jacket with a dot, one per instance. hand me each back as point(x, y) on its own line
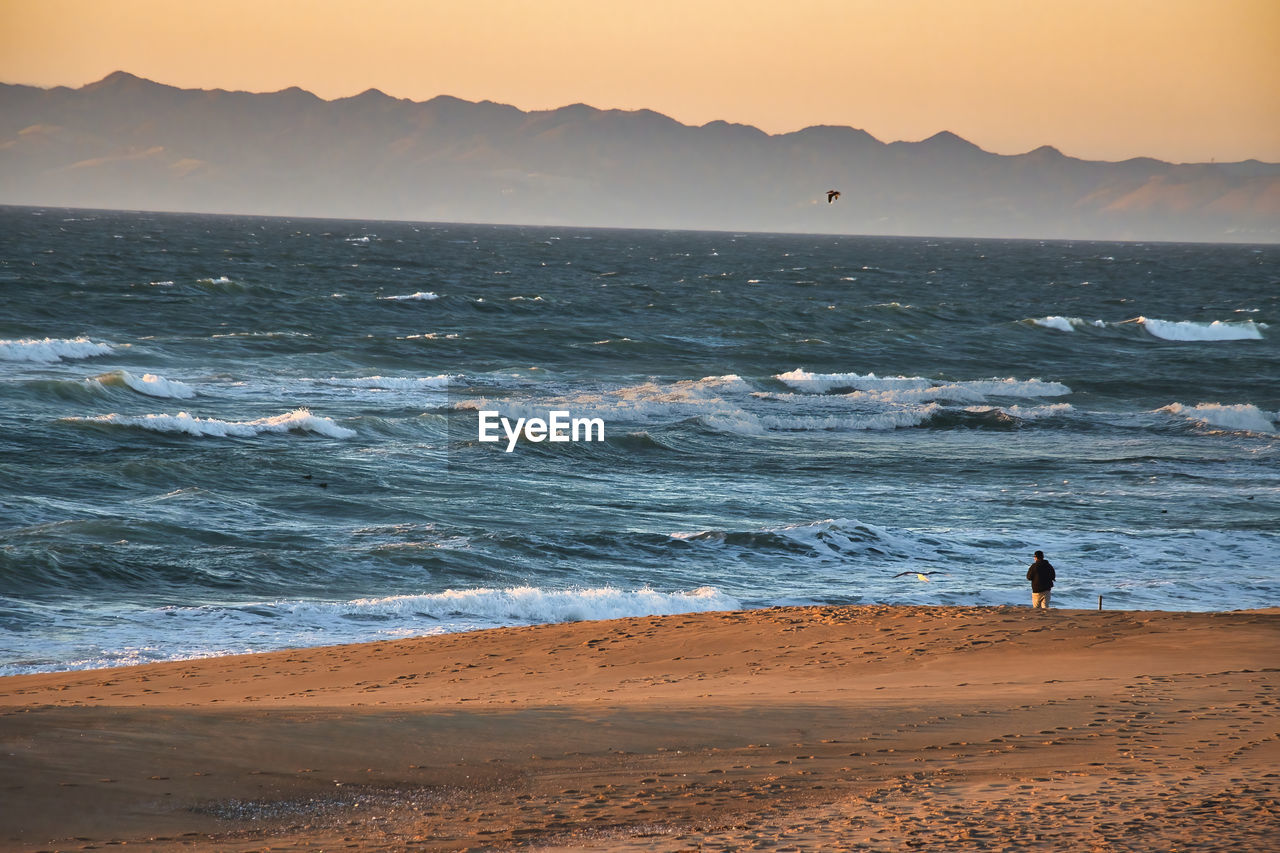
point(1041, 575)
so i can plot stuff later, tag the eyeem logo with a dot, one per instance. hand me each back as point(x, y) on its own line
point(559, 425)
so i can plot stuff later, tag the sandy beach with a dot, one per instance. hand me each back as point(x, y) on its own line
point(824, 728)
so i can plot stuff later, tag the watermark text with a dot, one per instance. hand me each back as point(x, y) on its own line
point(559, 425)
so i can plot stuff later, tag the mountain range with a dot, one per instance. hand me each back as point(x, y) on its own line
point(129, 143)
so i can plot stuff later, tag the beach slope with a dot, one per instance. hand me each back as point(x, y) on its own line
point(858, 728)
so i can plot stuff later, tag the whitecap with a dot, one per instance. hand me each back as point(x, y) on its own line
point(1026, 413)
point(1187, 330)
point(299, 419)
point(51, 350)
point(969, 390)
point(420, 296)
point(1245, 417)
point(646, 401)
point(1062, 324)
point(820, 383)
point(439, 382)
point(1015, 387)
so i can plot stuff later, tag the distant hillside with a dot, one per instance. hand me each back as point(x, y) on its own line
point(125, 142)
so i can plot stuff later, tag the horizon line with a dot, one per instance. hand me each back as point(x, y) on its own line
point(735, 231)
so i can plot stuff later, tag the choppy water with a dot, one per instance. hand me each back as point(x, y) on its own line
point(223, 434)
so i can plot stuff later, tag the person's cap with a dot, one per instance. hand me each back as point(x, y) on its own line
point(1039, 553)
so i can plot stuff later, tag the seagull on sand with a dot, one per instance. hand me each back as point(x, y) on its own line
point(832, 195)
point(922, 575)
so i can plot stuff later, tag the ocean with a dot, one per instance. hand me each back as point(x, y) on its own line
point(225, 434)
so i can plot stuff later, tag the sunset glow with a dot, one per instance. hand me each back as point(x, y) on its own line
point(1182, 80)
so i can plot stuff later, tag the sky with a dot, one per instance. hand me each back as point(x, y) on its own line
point(1180, 80)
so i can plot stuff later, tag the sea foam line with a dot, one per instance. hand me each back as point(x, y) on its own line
point(50, 350)
point(536, 605)
point(440, 382)
point(190, 632)
point(183, 422)
point(820, 383)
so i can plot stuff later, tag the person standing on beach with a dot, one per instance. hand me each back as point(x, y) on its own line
point(1042, 576)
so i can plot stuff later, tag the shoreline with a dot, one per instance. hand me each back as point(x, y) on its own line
point(862, 727)
point(111, 667)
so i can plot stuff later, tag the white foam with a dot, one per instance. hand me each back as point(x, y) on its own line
point(819, 383)
point(1015, 387)
point(1062, 324)
point(185, 633)
point(730, 404)
point(420, 296)
point(648, 401)
point(50, 350)
point(1026, 413)
point(528, 604)
point(745, 423)
point(1186, 330)
point(952, 391)
point(1233, 417)
point(969, 390)
point(298, 419)
point(261, 335)
point(439, 382)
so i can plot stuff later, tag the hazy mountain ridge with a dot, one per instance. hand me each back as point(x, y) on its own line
point(125, 142)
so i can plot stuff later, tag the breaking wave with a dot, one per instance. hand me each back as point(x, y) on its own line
point(1168, 330)
point(148, 383)
point(299, 419)
point(730, 404)
point(215, 630)
point(1186, 330)
point(1065, 324)
point(51, 350)
point(1243, 417)
point(439, 382)
point(821, 383)
point(535, 605)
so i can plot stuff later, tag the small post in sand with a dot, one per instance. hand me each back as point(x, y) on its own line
point(1099, 602)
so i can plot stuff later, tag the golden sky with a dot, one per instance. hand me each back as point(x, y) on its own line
point(1182, 80)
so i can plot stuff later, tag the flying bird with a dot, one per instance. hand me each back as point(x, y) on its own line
point(922, 575)
point(832, 195)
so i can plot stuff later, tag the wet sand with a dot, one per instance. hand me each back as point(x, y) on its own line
point(824, 728)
